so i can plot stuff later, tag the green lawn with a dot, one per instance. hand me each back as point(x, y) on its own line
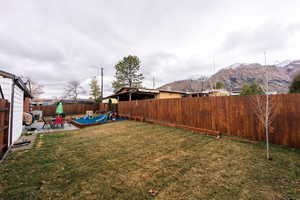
point(133, 160)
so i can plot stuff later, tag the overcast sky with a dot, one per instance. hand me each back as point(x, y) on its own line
point(57, 41)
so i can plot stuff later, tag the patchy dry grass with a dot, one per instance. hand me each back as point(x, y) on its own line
point(131, 160)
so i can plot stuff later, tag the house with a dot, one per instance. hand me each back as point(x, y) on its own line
point(170, 94)
point(236, 91)
point(128, 94)
point(42, 102)
point(13, 89)
point(198, 94)
point(110, 101)
point(72, 101)
point(211, 92)
point(218, 92)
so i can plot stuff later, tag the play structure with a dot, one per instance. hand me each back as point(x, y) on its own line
point(90, 120)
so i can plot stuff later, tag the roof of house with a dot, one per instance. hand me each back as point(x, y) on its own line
point(236, 89)
point(7, 75)
point(209, 91)
point(77, 101)
point(133, 89)
point(18, 81)
point(125, 90)
point(174, 91)
point(199, 92)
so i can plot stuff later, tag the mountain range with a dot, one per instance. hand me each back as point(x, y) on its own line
point(235, 76)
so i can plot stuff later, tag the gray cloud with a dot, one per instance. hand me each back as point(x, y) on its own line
point(57, 41)
point(33, 48)
point(269, 36)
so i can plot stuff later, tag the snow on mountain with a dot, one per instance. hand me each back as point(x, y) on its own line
point(234, 66)
point(238, 74)
point(283, 63)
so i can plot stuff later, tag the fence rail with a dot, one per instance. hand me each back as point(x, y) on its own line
point(4, 121)
point(69, 109)
point(233, 115)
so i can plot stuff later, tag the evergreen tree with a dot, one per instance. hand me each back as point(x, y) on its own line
point(128, 73)
point(295, 86)
point(220, 85)
point(252, 89)
point(95, 91)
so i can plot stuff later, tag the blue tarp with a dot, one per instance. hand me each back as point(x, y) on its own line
point(98, 119)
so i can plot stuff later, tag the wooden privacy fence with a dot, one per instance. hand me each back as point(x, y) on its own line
point(69, 109)
point(108, 107)
point(4, 121)
point(233, 115)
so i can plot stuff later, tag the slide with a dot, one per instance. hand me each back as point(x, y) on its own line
point(101, 118)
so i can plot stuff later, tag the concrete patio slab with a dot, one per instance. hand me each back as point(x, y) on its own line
point(24, 138)
point(40, 129)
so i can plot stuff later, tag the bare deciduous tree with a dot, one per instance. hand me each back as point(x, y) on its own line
point(35, 88)
point(73, 89)
point(265, 107)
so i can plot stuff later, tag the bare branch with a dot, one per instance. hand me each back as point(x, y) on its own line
point(35, 88)
point(73, 89)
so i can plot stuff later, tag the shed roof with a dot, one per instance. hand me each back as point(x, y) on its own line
point(18, 81)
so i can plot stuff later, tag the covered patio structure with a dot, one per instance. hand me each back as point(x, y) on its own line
point(128, 94)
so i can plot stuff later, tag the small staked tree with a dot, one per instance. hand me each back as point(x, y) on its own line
point(128, 73)
point(73, 89)
point(295, 85)
point(95, 90)
point(265, 107)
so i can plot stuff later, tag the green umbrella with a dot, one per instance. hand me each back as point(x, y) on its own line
point(59, 109)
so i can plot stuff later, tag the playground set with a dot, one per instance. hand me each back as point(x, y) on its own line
point(90, 120)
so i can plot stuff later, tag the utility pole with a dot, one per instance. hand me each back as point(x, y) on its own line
point(101, 84)
point(214, 71)
point(153, 82)
point(212, 82)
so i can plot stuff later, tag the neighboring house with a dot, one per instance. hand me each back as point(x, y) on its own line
point(218, 92)
point(236, 91)
point(128, 94)
point(212, 92)
point(71, 101)
point(199, 94)
point(42, 102)
point(168, 94)
point(15, 91)
point(272, 92)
